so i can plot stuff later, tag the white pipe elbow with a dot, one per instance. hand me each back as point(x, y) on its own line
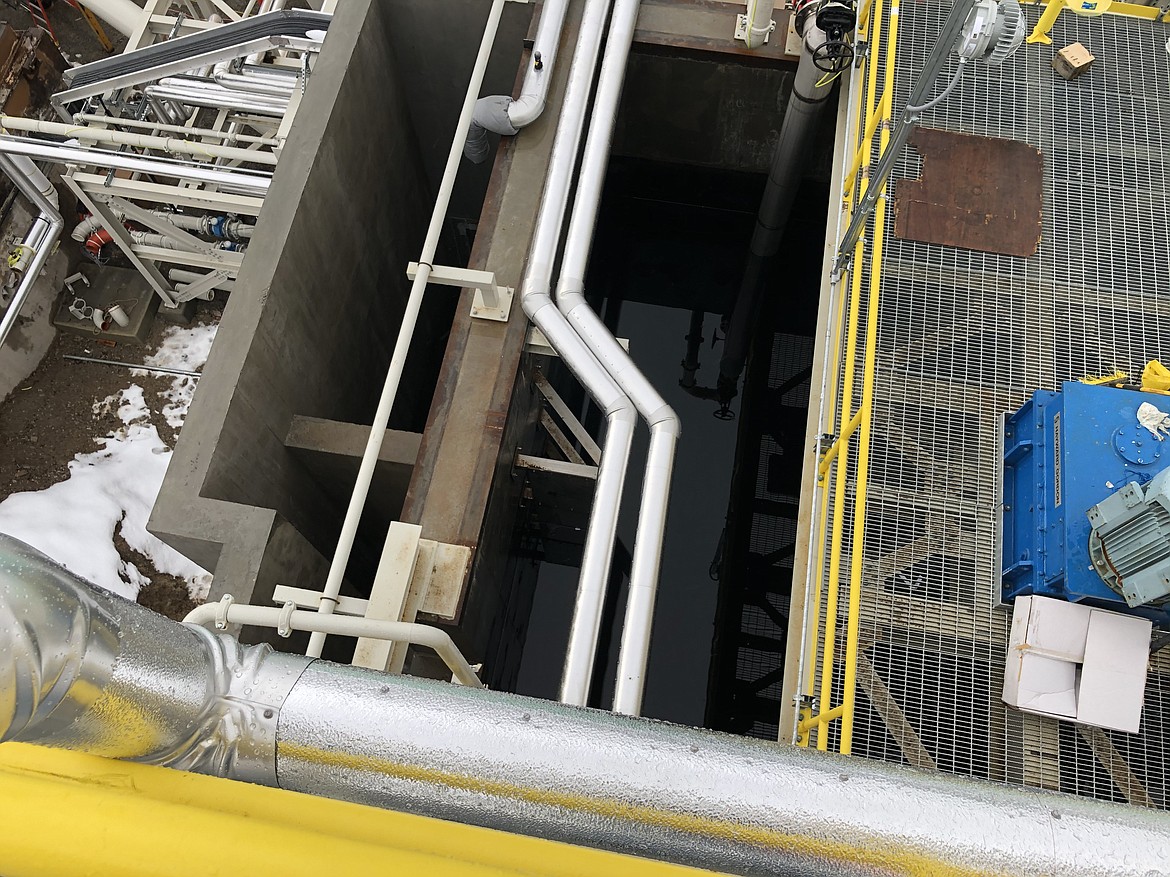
point(526, 109)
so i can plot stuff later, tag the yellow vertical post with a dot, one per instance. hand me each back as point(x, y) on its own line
point(841, 474)
point(1040, 32)
point(856, 568)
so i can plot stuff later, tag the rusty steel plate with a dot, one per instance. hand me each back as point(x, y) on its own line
point(980, 193)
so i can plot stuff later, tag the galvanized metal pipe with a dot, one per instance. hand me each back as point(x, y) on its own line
point(245, 181)
point(37, 189)
point(919, 94)
point(216, 97)
point(535, 289)
point(172, 145)
point(664, 424)
point(86, 670)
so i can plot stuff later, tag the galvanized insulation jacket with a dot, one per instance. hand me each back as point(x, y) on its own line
point(84, 669)
point(90, 671)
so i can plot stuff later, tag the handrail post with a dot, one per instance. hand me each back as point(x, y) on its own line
point(357, 500)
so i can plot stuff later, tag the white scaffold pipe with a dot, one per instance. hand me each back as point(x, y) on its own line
point(86, 134)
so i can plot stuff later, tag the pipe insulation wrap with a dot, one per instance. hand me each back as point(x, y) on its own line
point(491, 114)
point(87, 670)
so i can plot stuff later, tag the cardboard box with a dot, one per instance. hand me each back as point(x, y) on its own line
point(1069, 661)
point(1071, 61)
point(1112, 689)
point(1054, 627)
point(1039, 684)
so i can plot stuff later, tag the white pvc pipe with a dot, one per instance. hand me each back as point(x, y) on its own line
point(246, 181)
point(381, 418)
point(124, 15)
point(759, 19)
point(151, 239)
point(226, 136)
point(184, 278)
point(171, 145)
point(209, 614)
point(663, 422)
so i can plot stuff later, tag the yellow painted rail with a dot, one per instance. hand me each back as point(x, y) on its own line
point(878, 26)
point(65, 813)
point(829, 675)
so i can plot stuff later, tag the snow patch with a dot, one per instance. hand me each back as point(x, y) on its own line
point(74, 521)
point(113, 490)
point(186, 349)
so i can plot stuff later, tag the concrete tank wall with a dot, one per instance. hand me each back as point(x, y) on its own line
point(311, 324)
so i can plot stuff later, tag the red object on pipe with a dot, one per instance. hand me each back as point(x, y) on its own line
point(97, 240)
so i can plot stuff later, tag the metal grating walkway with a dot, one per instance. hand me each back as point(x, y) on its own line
point(964, 337)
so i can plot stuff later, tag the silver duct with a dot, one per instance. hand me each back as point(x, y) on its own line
point(810, 91)
point(665, 427)
point(91, 671)
point(85, 669)
point(536, 299)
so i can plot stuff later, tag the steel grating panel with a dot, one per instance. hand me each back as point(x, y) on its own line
point(964, 337)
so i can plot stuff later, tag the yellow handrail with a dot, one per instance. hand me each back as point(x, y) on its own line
point(833, 468)
point(881, 113)
point(840, 477)
point(852, 630)
point(813, 721)
point(842, 439)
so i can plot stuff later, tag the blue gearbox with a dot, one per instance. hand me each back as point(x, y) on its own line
point(1076, 455)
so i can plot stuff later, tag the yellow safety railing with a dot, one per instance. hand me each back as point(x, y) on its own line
point(872, 110)
point(1091, 9)
point(853, 346)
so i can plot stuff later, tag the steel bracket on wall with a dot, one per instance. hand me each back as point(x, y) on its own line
point(742, 26)
point(492, 301)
